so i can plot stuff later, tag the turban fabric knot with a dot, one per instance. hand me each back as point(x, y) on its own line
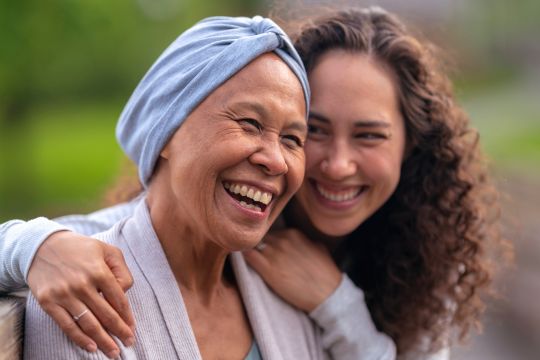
point(192, 67)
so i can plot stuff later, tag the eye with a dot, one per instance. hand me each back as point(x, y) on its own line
point(312, 129)
point(252, 124)
point(293, 141)
point(371, 136)
point(316, 132)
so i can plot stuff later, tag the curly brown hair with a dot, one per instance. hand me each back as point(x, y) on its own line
point(421, 259)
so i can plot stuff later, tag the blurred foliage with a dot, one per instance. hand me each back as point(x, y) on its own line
point(63, 49)
point(67, 67)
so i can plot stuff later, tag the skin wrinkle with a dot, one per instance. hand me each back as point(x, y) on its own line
point(199, 226)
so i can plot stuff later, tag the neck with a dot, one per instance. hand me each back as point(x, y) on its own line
point(296, 217)
point(198, 264)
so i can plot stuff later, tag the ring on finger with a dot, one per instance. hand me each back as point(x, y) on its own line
point(78, 317)
point(260, 246)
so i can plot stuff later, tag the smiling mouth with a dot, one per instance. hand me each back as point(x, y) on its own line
point(249, 197)
point(339, 196)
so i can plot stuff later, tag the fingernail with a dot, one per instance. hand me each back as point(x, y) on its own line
point(129, 341)
point(91, 347)
point(113, 354)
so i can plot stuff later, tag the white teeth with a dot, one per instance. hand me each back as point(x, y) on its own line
point(252, 193)
point(257, 196)
point(266, 198)
point(341, 196)
point(243, 190)
point(250, 206)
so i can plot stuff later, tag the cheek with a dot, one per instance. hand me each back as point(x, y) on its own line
point(295, 176)
point(315, 153)
point(382, 167)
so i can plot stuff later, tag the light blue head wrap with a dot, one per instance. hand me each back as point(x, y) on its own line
point(192, 67)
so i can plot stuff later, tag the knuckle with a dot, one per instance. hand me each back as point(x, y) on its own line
point(123, 305)
point(125, 282)
point(43, 296)
point(101, 273)
point(50, 294)
point(81, 286)
point(129, 281)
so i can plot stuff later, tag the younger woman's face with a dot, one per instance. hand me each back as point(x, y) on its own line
point(356, 142)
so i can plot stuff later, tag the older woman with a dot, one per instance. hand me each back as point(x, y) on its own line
point(223, 107)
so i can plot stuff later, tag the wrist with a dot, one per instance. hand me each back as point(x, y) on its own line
point(325, 292)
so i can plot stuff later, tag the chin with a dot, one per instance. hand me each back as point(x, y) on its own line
point(241, 241)
point(335, 228)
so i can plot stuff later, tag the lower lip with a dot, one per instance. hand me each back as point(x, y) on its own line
point(252, 214)
point(336, 205)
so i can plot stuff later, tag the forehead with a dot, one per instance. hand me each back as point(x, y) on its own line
point(352, 85)
point(267, 84)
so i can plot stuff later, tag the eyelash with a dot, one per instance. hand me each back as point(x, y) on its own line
point(312, 129)
point(366, 135)
point(371, 136)
point(252, 123)
point(296, 140)
point(255, 124)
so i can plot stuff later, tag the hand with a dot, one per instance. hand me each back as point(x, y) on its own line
point(299, 270)
point(71, 273)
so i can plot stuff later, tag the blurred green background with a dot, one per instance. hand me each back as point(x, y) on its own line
point(67, 67)
point(66, 70)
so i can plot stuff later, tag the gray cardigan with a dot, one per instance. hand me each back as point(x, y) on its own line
point(348, 331)
point(163, 327)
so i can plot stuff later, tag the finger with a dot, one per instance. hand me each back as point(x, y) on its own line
point(116, 262)
point(257, 260)
point(115, 293)
point(271, 238)
point(93, 329)
point(106, 314)
point(70, 328)
point(279, 239)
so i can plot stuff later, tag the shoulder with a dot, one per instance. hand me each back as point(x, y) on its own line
point(100, 220)
point(44, 340)
point(293, 331)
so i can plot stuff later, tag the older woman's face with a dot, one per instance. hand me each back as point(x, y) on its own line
point(355, 143)
point(238, 158)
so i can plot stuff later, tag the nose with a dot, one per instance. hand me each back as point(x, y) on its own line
point(270, 158)
point(340, 162)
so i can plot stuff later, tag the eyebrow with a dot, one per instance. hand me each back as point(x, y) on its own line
point(261, 110)
point(357, 123)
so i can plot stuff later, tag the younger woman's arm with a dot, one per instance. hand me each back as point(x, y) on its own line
point(304, 274)
point(65, 270)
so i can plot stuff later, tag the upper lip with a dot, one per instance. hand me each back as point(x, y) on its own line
point(260, 186)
